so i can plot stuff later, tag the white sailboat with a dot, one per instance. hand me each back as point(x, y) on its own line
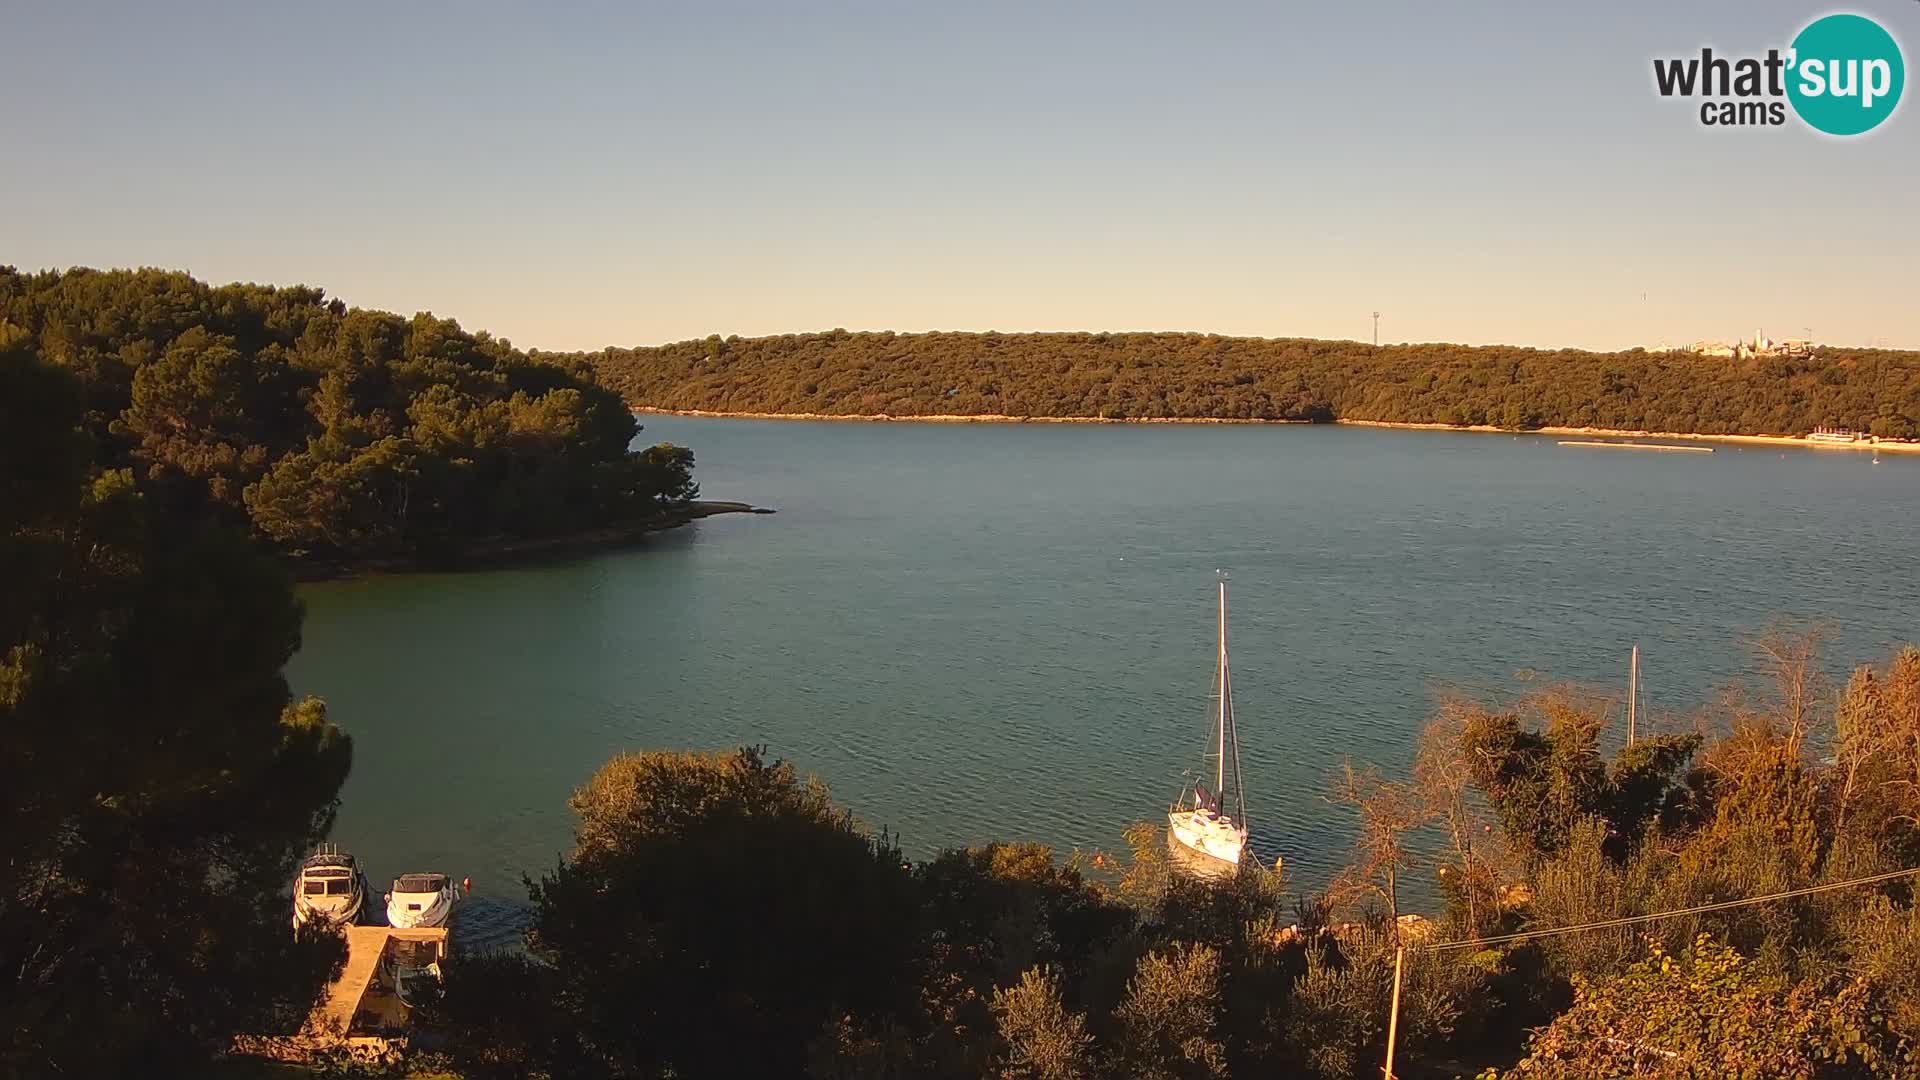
point(1198, 822)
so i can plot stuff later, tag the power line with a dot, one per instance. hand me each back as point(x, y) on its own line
point(1393, 1018)
point(1555, 931)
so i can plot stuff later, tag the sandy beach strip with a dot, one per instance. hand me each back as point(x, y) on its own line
point(1794, 441)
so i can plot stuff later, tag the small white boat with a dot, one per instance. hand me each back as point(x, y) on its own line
point(331, 888)
point(1197, 823)
point(421, 900)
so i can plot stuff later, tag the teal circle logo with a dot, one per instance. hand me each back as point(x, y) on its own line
point(1847, 74)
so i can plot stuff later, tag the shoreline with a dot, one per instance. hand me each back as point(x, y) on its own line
point(490, 555)
point(1798, 441)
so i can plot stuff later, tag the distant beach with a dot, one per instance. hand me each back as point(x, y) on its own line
point(994, 418)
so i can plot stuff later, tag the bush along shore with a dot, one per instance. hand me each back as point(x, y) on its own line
point(1168, 376)
point(720, 915)
point(338, 436)
point(477, 555)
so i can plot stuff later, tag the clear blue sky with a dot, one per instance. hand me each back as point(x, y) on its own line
point(577, 176)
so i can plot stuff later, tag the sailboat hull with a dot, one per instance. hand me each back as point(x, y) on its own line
point(1207, 836)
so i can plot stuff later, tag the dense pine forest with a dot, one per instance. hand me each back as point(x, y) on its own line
point(157, 779)
point(332, 432)
point(1162, 376)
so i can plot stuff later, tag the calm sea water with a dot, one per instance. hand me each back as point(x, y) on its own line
point(1000, 631)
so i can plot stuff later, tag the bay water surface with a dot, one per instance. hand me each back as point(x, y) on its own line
point(998, 631)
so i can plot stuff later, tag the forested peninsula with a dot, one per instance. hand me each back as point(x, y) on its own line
point(1169, 376)
point(340, 437)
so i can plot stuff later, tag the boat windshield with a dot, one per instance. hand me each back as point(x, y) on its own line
point(420, 883)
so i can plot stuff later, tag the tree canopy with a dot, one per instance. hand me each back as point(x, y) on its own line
point(1169, 375)
point(337, 432)
point(157, 781)
point(1709, 1012)
point(715, 914)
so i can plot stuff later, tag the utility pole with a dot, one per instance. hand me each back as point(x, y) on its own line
point(1376, 329)
point(1393, 1017)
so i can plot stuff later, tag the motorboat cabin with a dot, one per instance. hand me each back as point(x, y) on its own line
point(331, 888)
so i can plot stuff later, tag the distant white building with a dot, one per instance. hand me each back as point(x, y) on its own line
point(1766, 346)
point(1761, 345)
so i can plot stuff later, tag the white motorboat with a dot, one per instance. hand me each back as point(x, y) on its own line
point(331, 888)
point(421, 900)
point(1197, 823)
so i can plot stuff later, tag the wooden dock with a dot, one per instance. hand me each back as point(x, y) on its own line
point(362, 1013)
point(348, 996)
point(1628, 445)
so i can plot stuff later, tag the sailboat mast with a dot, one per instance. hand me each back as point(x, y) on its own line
point(1633, 695)
point(1220, 729)
point(1229, 740)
